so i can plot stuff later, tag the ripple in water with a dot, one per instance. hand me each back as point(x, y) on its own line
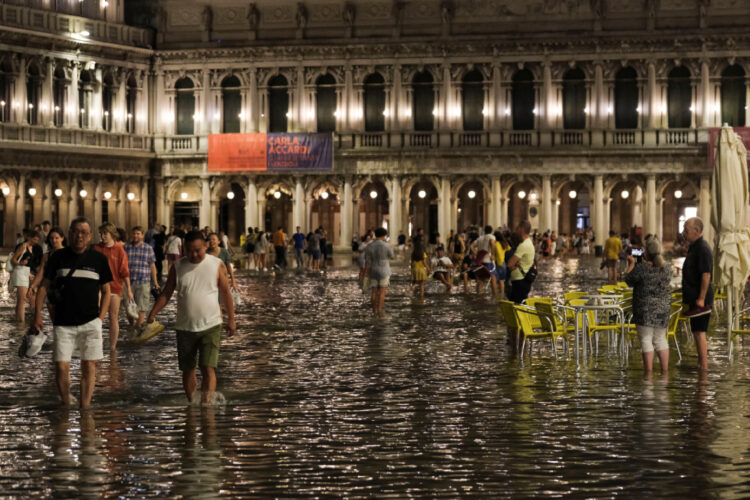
point(324, 401)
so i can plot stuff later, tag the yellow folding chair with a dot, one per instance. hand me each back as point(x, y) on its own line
point(524, 316)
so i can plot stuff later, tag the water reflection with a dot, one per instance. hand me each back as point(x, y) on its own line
point(431, 401)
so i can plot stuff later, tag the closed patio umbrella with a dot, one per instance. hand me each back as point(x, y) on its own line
point(729, 199)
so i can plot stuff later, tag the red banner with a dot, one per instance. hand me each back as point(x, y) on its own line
point(713, 138)
point(236, 152)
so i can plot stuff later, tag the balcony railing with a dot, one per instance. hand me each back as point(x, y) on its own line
point(48, 21)
point(53, 136)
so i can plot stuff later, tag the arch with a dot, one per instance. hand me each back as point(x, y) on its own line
point(131, 100)
point(621, 216)
point(423, 210)
point(573, 212)
point(677, 209)
point(185, 106)
point(523, 99)
point(733, 96)
point(278, 104)
point(423, 101)
point(679, 98)
point(231, 105)
point(330, 185)
point(325, 103)
point(519, 196)
point(574, 99)
point(33, 92)
point(471, 203)
point(6, 84)
point(626, 98)
point(374, 102)
point(108, 97)
point(472, 100)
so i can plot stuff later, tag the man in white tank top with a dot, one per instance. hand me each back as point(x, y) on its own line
point(199, 280)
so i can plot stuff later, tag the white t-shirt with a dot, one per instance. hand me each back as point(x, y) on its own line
point(442, 264)
point(173, 244)
point(486, 242)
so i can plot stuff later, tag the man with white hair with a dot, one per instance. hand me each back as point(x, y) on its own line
point(697, 291)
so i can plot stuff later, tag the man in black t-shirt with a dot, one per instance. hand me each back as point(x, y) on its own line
point(697, 292)
point(80, 278)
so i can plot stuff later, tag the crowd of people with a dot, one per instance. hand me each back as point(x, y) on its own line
point(80, 283)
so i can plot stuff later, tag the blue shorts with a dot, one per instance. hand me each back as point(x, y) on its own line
point(316, 254)
point(501, 272)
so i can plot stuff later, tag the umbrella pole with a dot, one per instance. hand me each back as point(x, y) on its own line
point(730, 292)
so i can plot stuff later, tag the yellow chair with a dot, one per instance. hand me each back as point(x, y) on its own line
point(674, 316)
point(509, 315)
point(554, 321)
point(524, 316)
point(568, 296)
point(606, 289)
point(594, 325)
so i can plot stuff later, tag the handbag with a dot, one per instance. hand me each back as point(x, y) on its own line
point(530, 275)
point(57, 290)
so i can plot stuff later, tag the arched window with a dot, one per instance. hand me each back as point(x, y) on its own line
point(325, 103)
point(59, 91)
point(278, 104)
point(472, 100)
point(131, 98)
point(733, 96)
point(374, 90)
point(626, 98)
point(423, 101)
point(185, 104)
point(33, 89)
point(231, 101)
point(6, 83)
point(108, 92)
point(522, 90)
point(574, 99)
point(85, 88)
point(679, 98)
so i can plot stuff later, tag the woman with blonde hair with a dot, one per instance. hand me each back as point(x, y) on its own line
point(118, 264)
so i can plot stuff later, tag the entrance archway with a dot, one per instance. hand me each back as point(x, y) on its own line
point(522, 197)
point(231, 218)
point(574, 209)
point(186, 205)
point(373, 206)
point(325, 212)
point(279, 206)
point(622, 199)
point(423, 210)
point(679, 203)
point(471, 205)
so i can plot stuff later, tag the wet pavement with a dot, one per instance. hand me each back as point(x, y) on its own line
point(323, 400)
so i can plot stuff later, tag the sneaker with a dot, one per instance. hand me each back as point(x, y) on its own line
point(148, 331)
point(697, 311)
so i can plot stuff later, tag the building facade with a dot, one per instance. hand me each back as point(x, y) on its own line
point(444, 114)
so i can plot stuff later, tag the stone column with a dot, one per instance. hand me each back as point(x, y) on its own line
point(20, 199)
point(555, 216)
point(547, 202)
point(72, 200)
point(160, 105)
point(394, 210)
point(653, 97)
point(19, 101)
point(444, 207)
point(251, 203)
point(162, 208)
point(261, 220)
point(398, 119)
point(504, 212)
point(447, 123)
point(46, 197)
point(348, 107)
point(302, 120)
point(497, 106)
point(97, 197)
point(598, 216)
point(599, 109)
point(73, 109)
point(205, 207)
point(213, 215)
point(346, 215)
point(651, 216)
point(122, 200)
point(46, 118)
point(496, 203)
point(143, 195)
point(704, 209)
point(548, 100)
point(203, 110)
point(298, 211)
point(95, 110)
point(252, 98)
point(143, 98)
point(706, 100)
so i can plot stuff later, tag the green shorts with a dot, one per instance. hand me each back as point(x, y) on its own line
point(205, 343)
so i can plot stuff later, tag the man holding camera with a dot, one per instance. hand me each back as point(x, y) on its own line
point(77, 282)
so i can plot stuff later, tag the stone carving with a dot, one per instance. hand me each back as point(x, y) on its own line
point(207, 18)
point(651, 7)
point(397, 13)
point(253, 16)
point(703, 6)
point(446, 16)
point(348, 15)
point(597, 10)
point(301, 19)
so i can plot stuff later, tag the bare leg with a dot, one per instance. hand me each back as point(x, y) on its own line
point(62, 376)
point(501, 288)
point(21, 304)
point(114, 321)
point(702, 347)
point(381, 300)
point(493, 281)
point(88, 381)
point(374, 300)
point(648, 364)
point(141, 318)
point(208, 384)
point(663, 356)
point(421, 289)
point(189, 383)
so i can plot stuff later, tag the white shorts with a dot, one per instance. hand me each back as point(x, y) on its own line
point(19, 277)
point(87, 337)
point(384, 283)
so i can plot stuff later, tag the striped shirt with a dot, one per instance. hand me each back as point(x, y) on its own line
point(140, 258)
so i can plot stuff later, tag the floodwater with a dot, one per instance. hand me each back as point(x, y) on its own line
point(324, 401)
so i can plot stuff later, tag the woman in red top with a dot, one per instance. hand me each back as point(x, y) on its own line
point(118, 264)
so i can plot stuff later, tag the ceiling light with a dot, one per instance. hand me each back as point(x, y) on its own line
point(522, 194)
point(107, 195)
point(472, 194)
point(183, 195)
point(422, 193)
point(32, 191)
point(678, 194)
point(572, 194)
point(58, 192)
point(324, 195)
point(131, 196)
point(83, 193)
point(230, 195)
point(373, 194)
point(625, 194)
point(277, 194)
